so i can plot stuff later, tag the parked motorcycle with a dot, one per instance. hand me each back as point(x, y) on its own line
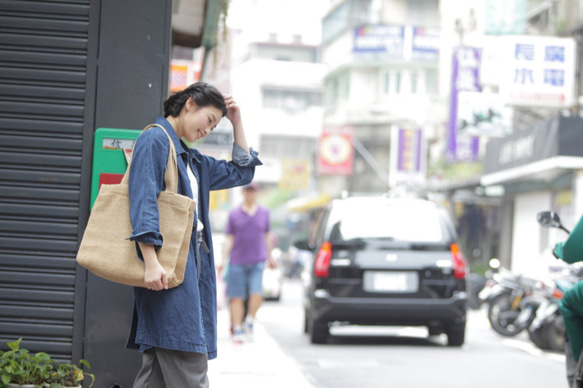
point(510, 310)
point(547, 330)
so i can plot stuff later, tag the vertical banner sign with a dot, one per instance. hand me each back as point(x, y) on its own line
point(465, 77)
point(335, 151)
point(392, 42)
point(408, 157)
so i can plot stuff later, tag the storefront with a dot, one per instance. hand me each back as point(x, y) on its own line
point(537, 169)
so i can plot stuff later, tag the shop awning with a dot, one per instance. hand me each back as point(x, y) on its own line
point(540, 153)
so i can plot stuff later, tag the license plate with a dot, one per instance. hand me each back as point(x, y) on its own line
point(404, 281)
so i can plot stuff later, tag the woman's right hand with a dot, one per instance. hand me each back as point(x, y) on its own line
point(155, 277)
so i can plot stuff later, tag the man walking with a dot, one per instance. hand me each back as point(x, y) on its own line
point(248, 244)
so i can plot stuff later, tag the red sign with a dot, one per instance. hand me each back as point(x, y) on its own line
point(335, 151)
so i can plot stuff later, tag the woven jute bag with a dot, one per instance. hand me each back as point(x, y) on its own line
point(105, 249)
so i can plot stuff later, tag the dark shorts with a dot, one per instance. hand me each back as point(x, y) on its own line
point(244, 280)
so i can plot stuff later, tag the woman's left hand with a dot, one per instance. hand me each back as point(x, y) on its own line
point(233, 110)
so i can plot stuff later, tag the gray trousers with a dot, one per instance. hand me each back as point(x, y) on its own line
point(163, 368)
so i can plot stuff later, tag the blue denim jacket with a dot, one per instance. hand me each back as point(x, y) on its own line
point(185, 317)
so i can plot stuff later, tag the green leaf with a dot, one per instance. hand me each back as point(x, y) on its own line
point(14, 345)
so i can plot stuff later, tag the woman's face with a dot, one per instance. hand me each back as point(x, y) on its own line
point(198, 122)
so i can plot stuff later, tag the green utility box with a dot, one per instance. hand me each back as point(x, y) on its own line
point(109, 163)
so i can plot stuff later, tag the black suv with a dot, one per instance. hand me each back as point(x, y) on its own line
point(385, 261)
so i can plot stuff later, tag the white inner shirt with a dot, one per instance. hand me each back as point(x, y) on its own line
point(194, 188)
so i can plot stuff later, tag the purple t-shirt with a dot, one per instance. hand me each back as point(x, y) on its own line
point(249, 235)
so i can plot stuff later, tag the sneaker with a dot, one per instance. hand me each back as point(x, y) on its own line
point(238, 336)
point(248, 329)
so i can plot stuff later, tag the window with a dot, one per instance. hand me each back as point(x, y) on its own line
point(291, 100)
point(331, 91)
point(288, 147)
point(414, 78)
point(431, 82)
point(386, 82)
point(398, 82)
point(344, 89)
point(337, 88)
point(390, 221)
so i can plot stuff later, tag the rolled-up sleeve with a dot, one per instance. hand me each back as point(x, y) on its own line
point(239, 171)
point(146, 181)
point(244, 158)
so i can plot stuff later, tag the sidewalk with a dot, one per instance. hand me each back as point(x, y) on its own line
point(257, 364)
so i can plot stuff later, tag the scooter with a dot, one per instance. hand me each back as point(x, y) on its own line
point(574, 370)
point(547, 330)
point(511, 308)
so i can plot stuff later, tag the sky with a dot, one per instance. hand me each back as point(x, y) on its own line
point(258, 18)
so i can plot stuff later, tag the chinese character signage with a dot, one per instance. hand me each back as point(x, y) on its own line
point(425, 44)
point(396, 43)
point(465, 78)
point(335, 151)
point(380, 39)
point(539, 71)
point(505, 17)
point(408, 157)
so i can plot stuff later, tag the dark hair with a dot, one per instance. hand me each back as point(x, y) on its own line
point(201, 92)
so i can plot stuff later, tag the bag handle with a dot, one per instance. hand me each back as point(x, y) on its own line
point(171, 173)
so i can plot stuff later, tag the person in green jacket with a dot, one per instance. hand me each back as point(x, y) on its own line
point(571, 251)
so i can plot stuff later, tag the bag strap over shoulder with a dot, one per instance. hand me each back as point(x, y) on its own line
point(171, 173)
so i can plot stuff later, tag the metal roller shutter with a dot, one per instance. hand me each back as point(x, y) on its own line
point(43, 71)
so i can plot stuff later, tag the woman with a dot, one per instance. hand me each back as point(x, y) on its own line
point(176, 328)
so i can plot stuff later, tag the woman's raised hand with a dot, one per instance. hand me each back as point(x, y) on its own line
point(233, 110)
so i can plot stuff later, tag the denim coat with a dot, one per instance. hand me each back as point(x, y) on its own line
point(185, 317)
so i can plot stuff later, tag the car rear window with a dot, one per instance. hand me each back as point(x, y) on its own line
point(411, 222)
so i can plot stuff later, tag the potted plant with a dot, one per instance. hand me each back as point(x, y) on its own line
point(69, 375)
point(19, 368)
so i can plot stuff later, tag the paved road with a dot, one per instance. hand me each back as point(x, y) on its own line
point(406, 357)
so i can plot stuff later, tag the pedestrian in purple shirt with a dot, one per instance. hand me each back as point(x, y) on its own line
point(248, 244)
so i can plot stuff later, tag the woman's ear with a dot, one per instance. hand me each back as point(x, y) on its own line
point(190, 104)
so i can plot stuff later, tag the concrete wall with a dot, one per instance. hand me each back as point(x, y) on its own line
point(528, 238)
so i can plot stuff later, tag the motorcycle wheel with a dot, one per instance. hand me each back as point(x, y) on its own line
point(555, 333)
point(502, 316)
point(538, 336)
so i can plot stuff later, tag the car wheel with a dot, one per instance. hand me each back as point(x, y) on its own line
point(456, 334)
point(319, 332)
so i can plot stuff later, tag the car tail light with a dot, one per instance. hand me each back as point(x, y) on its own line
point(459, 264)
point(322, 264)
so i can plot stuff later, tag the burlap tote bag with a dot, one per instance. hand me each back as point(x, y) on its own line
point(105, 250)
